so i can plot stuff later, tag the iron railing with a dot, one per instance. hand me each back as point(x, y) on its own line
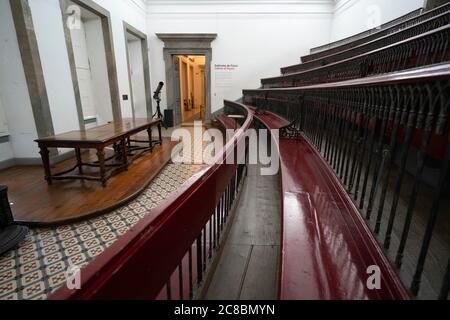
point(426, 26)
point(386, 139)
point(397, 27)
point(364, 34)
point(166, 255)
point(427, 49)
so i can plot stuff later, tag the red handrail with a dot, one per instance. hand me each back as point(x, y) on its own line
point(139, 264)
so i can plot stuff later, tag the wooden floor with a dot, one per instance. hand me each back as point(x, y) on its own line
point(248, 266)
point(37, 204)
point(191, 116)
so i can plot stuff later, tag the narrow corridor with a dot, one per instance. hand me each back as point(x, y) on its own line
point(248, 267)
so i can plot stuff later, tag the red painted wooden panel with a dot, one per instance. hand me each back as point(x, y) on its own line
point(326, 245)
point(140, 263)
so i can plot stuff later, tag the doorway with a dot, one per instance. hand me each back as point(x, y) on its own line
point(192, 87)
point(90, 49)
point(186, 44)
point(91, 69)
point(138, 74)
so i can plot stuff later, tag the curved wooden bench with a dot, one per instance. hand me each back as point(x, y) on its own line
point(423, 50)
point(374, 35)
point(407, 18)
point(170, 240)
point(392, 38)
point(326, 246)
point(227, 122)
point(438, 143)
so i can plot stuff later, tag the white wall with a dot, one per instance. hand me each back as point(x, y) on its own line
point(48, 25)
point(137, 79)
point(259, 37)
point(83, 69)
point(3, 121)
point(355, 16)
point(132, 12)
point(99, 70)
point(5, 147)
point(14, 92)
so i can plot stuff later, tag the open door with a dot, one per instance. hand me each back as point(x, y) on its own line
point(190, 82)
point(177, 87)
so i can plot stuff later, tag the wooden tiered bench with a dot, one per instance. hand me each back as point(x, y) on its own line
point(165, 256)
point(227, 123)
point(327, 248)
point(422, 50)
point(370, 35)
point(365, 150)
point(392, 38)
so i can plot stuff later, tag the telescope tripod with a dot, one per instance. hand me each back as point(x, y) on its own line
point(158, 113)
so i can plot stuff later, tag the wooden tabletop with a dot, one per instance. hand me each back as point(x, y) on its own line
point(103, 133)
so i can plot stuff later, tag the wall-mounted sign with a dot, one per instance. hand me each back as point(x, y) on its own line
point(224, 74)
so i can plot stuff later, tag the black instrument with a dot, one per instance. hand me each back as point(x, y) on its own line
point(157, 97)
point(11, 234)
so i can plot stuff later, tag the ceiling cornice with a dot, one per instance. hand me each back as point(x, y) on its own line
point(240, 7)
point(239, 2)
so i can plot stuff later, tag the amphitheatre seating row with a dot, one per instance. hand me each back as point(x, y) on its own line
point(165, 255)
point(437, 145)
point(366, 33)
point(327, 249)
point(381, 33)
point(426, 49)
point(415, 30)
point(326, 246)
point(227, 123)
point(345, 128)
point(180, 286)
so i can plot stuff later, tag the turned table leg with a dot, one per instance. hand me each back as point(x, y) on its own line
point(160, 133)
point(123, 145)
point(101, 162)
point(79, 161)
point(150, 138)
point(46, 162)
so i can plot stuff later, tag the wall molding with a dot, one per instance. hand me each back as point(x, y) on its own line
point(108, 40)
point(4, 139)
point(128, 28)
point(344, 4)
point(238, 2)
point(35, 161)
point(139, 4)
point(5, 164)
point(31, 60)
point(252, 7)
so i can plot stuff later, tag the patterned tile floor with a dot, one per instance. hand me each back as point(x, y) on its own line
point(38, 267)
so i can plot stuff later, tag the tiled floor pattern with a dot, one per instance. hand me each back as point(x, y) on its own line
point(38, 267)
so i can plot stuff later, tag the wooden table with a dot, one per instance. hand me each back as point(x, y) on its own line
point(116, 134)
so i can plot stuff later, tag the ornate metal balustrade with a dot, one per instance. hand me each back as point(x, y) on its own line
point(167, 254)
point(394, 27)
point(388, 143)
point(426, 49)
point(415, 30)
point(364, 34)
